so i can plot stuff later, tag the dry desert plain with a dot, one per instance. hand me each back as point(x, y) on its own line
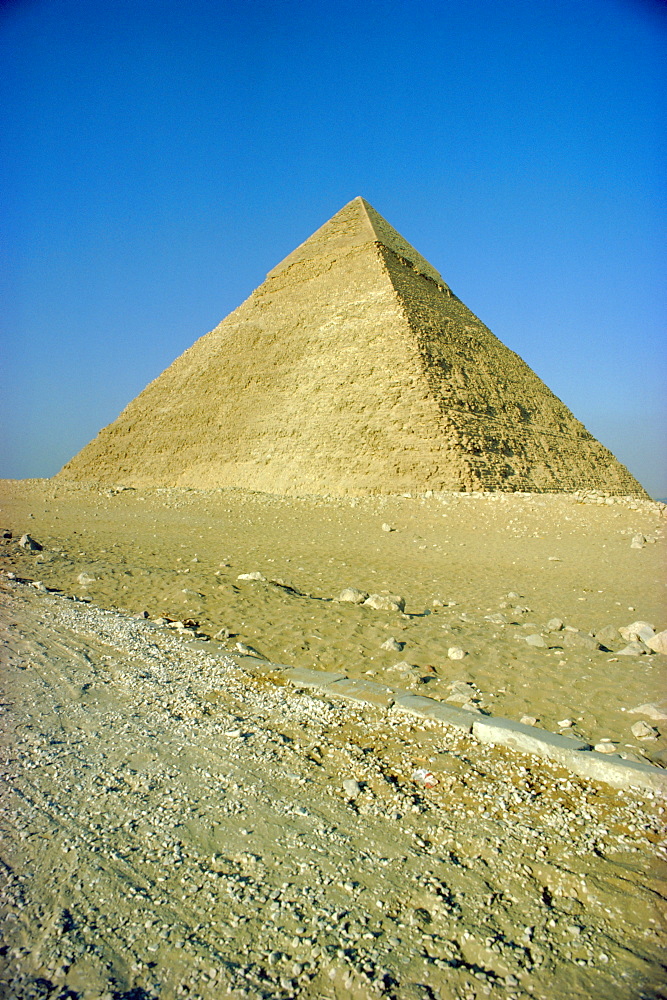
point(179, 820)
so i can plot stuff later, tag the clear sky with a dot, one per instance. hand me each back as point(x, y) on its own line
point(160, 157)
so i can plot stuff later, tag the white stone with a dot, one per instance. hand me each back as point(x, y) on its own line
point(637, 630)
point(388, 602)
point(393, 645)
point(352, 596)
point(642, 731)
point(456, 653)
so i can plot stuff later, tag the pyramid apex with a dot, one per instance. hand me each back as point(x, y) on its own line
point(356, 224)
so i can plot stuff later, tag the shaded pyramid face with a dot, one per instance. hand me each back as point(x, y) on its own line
point(352, 369)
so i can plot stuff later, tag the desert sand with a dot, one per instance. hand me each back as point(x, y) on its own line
point(177, 824)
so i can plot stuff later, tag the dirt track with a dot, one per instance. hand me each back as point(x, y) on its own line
point(174, 827)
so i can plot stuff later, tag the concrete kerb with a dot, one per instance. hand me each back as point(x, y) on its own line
point(574, 755)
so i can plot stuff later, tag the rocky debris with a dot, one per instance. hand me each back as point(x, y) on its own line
point(223, 634)
point(30, 544)
point(638, 541)
point(642, 731)
point(528, 720)
point(636, 648)
point(456, 653)
point(246, 650)
point(351, 788)
point(85, 579)
point(252, 576)
point(576, 639)
point(535, 639)
point(496, 619)
point(605, 746)
point(6, 533)
point(555, 624)
point(652, 711)
point(387, 527)
point(385, 602)
point(658, 642)
point(393, 645)
point(606, 634)
point(351, 595)
point(637, 630)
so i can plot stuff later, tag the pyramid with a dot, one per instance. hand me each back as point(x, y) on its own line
point(352, 369)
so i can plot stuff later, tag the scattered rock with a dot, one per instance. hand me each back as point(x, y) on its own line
point(565, 723)
point(393, 645)
point(637, 630)
point(351, 788)
point(497, 619)
point(605, 746)
point(6, 533)
point(352, 596)
point(608, 633)
point(85, 579)
point(653, 711)
point(248, 650)
point(222, 634)
point(30, 544)
point(535, 639)
point(251, 576)
point(382, 602)
point(577, 639)
point(658, 642)
point(528, 720)
point(637, 542)
point(642, 731)
point(555, 624)
point(388, 527)
point(636, 648)
point(456, 653)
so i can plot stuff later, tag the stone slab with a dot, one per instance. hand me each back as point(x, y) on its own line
point(572, 754)
point(618, 772)
point(528, 739)
point(358, 690)
point(302, 677)
point(429, 708)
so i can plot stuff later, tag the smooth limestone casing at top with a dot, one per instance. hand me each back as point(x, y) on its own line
point(352, 369)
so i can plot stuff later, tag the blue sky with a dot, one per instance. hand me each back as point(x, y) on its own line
point(161, 157)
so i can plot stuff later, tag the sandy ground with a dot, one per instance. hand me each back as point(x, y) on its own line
point(478, 572)
point(173, 826)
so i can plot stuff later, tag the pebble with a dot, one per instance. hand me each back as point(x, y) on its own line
point(642, 731)
point(393, 645)
point(388, 527)
point(251, 576)
point(605, 746)
point(382, 602)
point(555, 624)
point(528, 720)
point(637, 542)
point(30, 544)
point(85, 579)
point(351, 788)
point(535, 639)
point(565, 723)
point(456, 653)
point(353, 596)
